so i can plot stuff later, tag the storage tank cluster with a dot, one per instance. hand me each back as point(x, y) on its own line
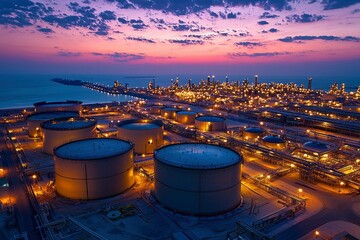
point(197, 178)
point(274, 141)
point(146, 135)
point(62, 130)
point(70, 106)
point(93, 168)
point(36, 119)
point(210, 123)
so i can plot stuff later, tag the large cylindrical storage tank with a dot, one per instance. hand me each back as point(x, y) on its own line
point(186, 117)
point(146, 135)
point(156, 109)
point(198, 179)
point(273, 141)
point(36, 119)
point(70, 106)
point(253, 132)
point(59, 131)
point(93, 168)
point(169, 113)
point(316, 147)
point(210, 123)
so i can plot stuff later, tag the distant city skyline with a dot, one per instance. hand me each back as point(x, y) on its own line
point(275, 37)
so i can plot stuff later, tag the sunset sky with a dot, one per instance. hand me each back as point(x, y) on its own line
point(184, 36)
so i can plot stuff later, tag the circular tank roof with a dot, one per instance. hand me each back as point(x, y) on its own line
point(68, 123)
point(52, 115)
point(57, 104)
point(316, 146)
point(210, 119)
point(197, 156)
point(140, 126)
point(254, 130)
point(273, 139)
point(170, 109)
point(93, 148)
point(186, 113)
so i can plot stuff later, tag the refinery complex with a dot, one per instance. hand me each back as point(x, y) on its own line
point(209, 160)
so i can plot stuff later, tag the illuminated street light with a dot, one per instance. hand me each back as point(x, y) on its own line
point(300, 191)
point(341, 184)
point(317, 234)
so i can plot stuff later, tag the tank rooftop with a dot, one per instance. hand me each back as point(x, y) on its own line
point(210, 119)
point(186, 113)
point(94, 148)
point(52, 115)
point(68, 124)
point(197, 156)
point(140, 126)
point(254, 130)
point(273, 139)
point(316, 146)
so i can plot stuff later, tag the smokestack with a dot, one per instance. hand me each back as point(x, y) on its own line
point(309, 83)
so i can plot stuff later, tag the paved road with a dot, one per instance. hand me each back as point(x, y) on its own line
point(23, 209)
point(336, 207)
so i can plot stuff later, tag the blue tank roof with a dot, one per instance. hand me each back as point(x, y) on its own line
point(273, 139)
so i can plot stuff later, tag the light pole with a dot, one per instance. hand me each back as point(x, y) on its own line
point(341, 184)
point(300, 191)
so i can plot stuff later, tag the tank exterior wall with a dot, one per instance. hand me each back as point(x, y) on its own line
point(34, 128)
point(93, 179)
point(198, 191)
point(156, 110)
point(251, 134)
point(185, 118)
point(145, 140)
point(168, 114)
point(73, 107)
point(275, 145)
point(54, 138)
point(209, 126)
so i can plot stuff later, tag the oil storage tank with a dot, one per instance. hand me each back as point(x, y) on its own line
point(70, 106)
point(210, 123)
point(156, 109)
point(169, 113)
point(59, 131)
point(146, 135)
point(253, 132)
point(197, 178)
point(36, 119)
point(93, 168)
point(186, 117)
point(274, 141)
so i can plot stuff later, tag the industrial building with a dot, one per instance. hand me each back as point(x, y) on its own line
point(169, 113)
point(36, 119)
point(146, 135)
point(69, 106)
point(59, 131)
point(253, 132)
point(210, 123)
point(197, 178)
point(186, 117)
point(274, 141)
point(94, 168)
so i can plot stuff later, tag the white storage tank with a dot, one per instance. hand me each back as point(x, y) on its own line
point(59, 131)
point(93, 168)
point(197, 178)
point(169, 113)
point(186, 117)
point(210, 123)
point(70, 106)
point(274, 141)
point(36, 119)
point(146, 135)
point(253, 132)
